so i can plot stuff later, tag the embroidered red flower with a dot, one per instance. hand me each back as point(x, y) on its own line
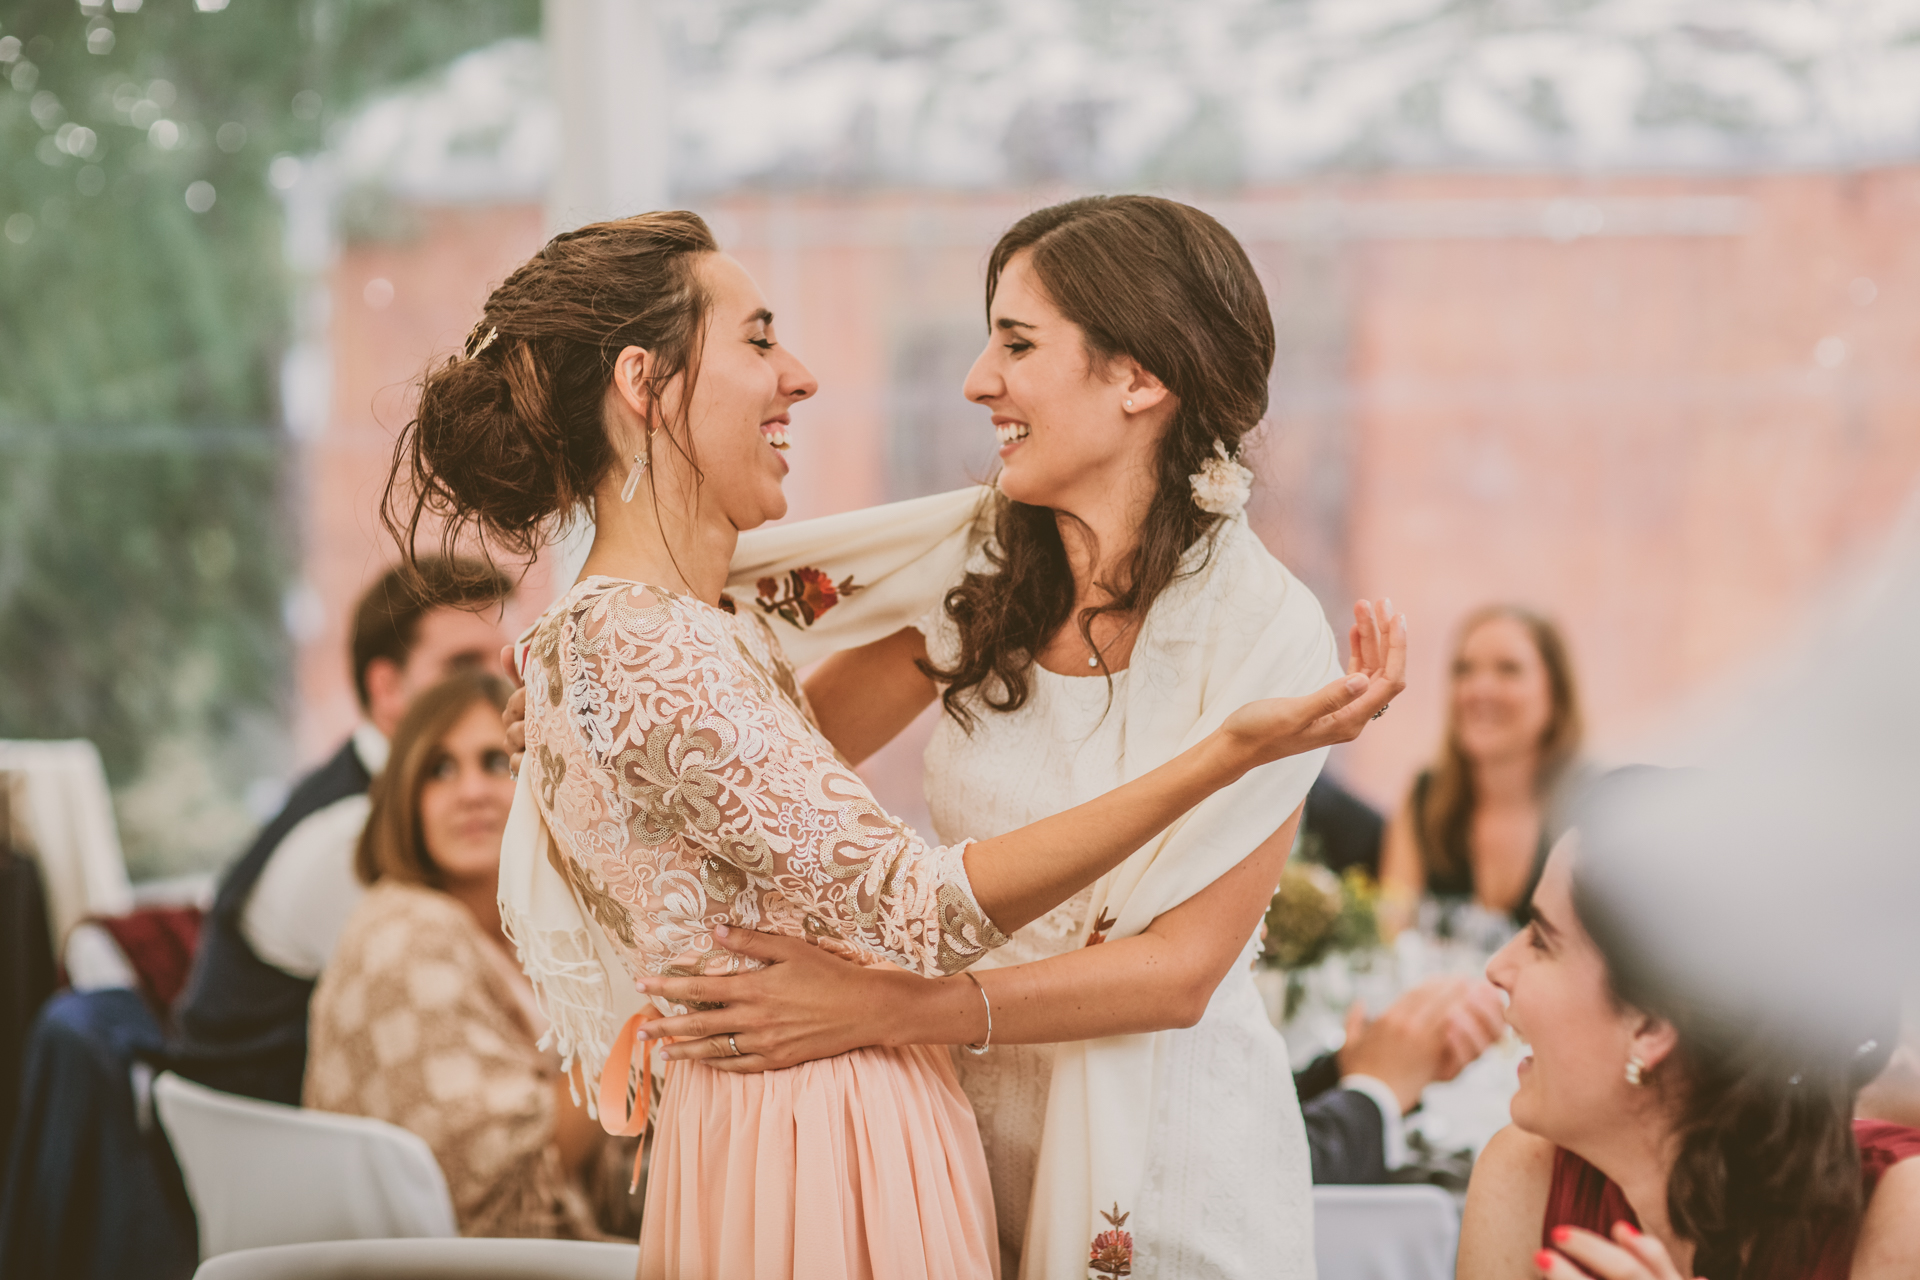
point(816, 592)
point(1112, 1253)
point(1101, 927)
point(804, 595)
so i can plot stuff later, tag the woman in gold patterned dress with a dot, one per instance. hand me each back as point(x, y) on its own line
point(677, 767)
point(423, 1018)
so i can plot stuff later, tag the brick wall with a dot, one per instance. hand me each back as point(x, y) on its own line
point(1668, 411)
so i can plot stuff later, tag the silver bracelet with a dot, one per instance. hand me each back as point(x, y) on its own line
point(977, 1049)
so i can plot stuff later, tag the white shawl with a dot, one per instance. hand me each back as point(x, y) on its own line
point(1238, 629)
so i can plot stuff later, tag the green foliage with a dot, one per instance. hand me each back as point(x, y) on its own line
point(1315, 912)
point(145, 538)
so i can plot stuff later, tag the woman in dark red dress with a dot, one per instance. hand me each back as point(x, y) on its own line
point(1670, 1123)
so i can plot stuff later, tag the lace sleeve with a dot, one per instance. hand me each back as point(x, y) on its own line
point(700, 747)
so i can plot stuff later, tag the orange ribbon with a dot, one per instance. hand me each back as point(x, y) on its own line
point(620, 1095)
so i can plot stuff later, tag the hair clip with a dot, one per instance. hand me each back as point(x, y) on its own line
point(485, 342)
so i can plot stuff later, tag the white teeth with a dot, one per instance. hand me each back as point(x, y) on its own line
point(1011, 431)
point(777, 437)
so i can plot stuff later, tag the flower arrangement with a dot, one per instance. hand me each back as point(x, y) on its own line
point(1315, 913)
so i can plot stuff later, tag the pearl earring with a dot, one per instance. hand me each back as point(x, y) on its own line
point(1635, 1065)
point(1129, 404)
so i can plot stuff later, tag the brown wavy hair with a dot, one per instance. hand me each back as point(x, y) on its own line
point(1445, 812)
point(392, 845)
point(1767, 1168)
point(1163, 284)
point(509, 437)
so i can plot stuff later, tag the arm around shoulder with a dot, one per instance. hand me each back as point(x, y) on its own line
point(1506, 1206)
point(862, 698)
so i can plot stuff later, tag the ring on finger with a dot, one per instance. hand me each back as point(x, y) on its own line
point(734, 1046)
point(1382, 711)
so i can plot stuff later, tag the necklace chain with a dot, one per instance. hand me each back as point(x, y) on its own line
point(1093, 658)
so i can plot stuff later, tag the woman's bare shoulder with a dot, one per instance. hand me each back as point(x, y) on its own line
point(1506, 1205)
point(1518, 1159)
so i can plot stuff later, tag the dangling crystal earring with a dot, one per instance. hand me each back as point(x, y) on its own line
point(633, 477)
point(1635, 1065)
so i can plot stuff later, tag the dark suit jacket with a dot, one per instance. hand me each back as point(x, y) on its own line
point(241, 1024)
point(1350, 831)
point(1345, 1130)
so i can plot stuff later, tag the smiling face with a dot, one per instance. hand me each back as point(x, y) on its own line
point(738, 419)
point(1573, 1086)
point(1502, 695)
point(465, 793)
point(1066, 433)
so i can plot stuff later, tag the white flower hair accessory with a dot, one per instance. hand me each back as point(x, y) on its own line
point(1222, 485)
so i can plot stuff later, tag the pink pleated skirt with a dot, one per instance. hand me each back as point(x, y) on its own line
point(867, 1166)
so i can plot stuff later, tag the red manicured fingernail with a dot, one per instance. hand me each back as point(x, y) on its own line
point(1623, 1225)
point(1543, 1260)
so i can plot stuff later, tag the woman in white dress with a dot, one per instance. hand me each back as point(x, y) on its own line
point(1079, 625)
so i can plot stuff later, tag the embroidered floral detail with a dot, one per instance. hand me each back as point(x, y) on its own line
point(804, 595)
point(546, 651)
point(1100, 928)
point(722, 880)
point(611, 915)
point(966, 933)
point(670, 780)
point(552, 773)
point(1112, 1253)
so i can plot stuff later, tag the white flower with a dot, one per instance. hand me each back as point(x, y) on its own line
point(1222, 485)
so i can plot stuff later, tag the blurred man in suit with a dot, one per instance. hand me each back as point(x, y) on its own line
point(242, 1021)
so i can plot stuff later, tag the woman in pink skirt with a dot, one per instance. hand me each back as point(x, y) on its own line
point(677, 771)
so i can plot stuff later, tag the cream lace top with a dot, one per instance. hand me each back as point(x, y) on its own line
point(677, 763)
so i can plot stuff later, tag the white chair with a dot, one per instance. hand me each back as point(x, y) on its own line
point(262, 1174)
point(1385, 1233)
point(428, 1260)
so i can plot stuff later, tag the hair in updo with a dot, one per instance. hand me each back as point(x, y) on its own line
point(508, 437)
point(1166, 285)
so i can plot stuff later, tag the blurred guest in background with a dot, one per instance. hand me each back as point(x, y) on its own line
point(1342, 829)
point(1355, 1098)
point(424, 1019)
point(1478, 823)
point(1676, 1119)
point(242, 1021)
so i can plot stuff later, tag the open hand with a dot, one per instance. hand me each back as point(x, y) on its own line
point(1582, 1255)
point(805, 1004)
point(1274, 728)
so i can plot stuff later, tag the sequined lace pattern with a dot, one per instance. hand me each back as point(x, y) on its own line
point(686, 785)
